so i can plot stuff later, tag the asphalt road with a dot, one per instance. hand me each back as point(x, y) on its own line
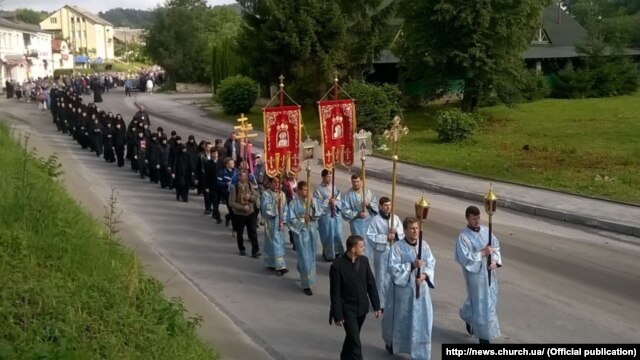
point(559, 284)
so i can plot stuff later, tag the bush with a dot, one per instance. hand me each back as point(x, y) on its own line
point(454, 125)
point(376, 105)
point(515, 84)
point(237, 94)
point(606, 73)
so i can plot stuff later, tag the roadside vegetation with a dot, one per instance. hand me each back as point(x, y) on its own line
point(69, 289)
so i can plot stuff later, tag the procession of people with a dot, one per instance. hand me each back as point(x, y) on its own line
point(385, 266)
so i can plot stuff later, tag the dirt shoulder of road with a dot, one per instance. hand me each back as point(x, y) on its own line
point(216, 328)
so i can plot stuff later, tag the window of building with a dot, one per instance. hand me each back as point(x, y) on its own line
point(53, 20)
point(83, 20)
point(540, 37)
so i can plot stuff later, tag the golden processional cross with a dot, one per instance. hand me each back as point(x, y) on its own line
point(393, 135)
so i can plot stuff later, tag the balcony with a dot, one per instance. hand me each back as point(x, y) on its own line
point(31, 53)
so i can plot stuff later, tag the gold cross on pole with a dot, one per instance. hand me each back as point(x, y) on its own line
point(243, 134)
point(394, 134)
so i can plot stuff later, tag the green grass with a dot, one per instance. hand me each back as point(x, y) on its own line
point(588, 146)
point(67, 292)
point(310, 118)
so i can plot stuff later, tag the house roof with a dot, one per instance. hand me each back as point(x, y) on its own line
point(18, 25)
point(89, 15)
point(56, 45)
point(561, 28)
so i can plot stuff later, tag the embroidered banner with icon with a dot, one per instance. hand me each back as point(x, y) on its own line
point(282, 139)
point(338, 122)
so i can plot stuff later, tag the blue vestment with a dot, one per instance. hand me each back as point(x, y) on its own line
point(480, 308)
point(273, 236)
point(330, 228)
point(407, 321)
point(377, 239)
point(305, 237)
point(351, 208)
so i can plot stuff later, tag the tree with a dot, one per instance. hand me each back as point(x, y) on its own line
point(176, 39)
point(223, 60)
point(30, 16)
point(445, 40)
point(307, 41)
point(615, 22)
point(132, 18)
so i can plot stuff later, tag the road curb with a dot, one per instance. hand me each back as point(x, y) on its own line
point(511, 204)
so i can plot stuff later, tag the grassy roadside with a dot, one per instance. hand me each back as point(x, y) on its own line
point(588, 146)
point(68, 292)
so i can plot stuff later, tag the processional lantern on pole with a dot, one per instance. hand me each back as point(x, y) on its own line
point(393, 135)
point(338, 124)
point(490, 207)
point(422, 211)
point(362, 146)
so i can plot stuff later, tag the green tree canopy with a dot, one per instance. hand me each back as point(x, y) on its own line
point(194, 42)
point(30, 16)
point(444, 40)
point(223, 57)
point(615, 22)
point(307, 41)
point(133, 18)
point(176, 39)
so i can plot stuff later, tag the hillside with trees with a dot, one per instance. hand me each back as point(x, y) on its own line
point(132, 18)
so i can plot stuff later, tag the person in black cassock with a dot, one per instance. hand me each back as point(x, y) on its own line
point(210, 185)
point(352, 286)
point(192, 150)
point(95, 135)
point(141, 154)
point(107, 141)
point(97, 90)
point(174, 151)
point(119, 139)
point(163, 160)
point(142, 115)
point(182, 173)
point(153, 158)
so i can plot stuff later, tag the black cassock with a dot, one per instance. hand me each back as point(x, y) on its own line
point(97, 91)
point(183, 172)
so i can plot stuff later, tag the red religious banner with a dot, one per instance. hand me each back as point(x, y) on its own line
point(338, 122)
point(282, 139)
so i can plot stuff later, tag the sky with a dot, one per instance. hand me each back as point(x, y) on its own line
point(91, 5)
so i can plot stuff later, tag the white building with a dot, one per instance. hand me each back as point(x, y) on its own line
point(62, 56)
point(25, 51)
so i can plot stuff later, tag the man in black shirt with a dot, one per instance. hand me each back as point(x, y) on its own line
point(352, 286)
